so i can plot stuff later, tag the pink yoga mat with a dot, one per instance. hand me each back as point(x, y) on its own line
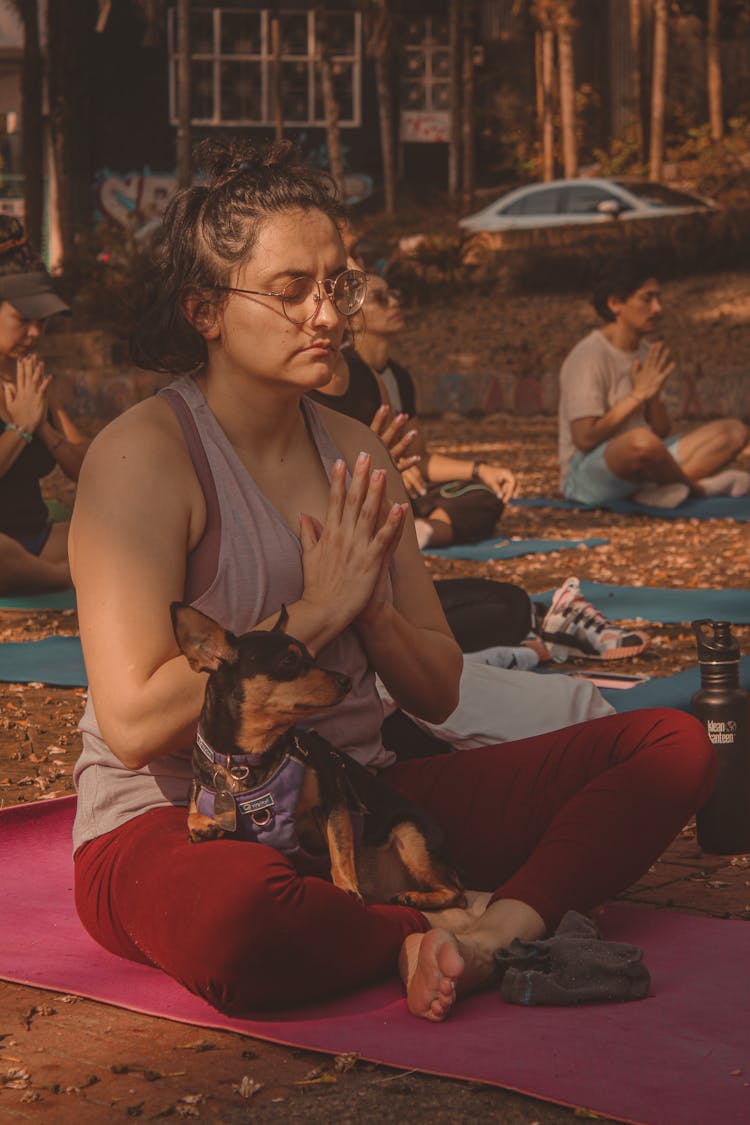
point(669, 1060)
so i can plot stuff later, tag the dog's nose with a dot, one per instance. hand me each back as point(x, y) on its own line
point(344, 682)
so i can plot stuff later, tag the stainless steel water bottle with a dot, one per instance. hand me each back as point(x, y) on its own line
point(724, 709)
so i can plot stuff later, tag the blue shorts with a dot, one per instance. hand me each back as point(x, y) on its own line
point(590, 480)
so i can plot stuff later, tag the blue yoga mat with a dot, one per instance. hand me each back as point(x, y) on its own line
point(57, 661)
point(694, 508)
point(652, 603)
point(53, 599)
point(666, 691)
point(489, 549)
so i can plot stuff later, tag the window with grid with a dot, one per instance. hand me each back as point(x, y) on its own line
point(231, 67)
point(425, 75)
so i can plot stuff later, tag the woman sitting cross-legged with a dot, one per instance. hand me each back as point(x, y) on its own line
point(231, 491)
point(38, 433)
point(453, 500)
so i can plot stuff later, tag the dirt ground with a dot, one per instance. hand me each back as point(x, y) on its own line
point(69, 1061)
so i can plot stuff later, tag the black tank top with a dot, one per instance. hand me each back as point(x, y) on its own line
point(22, 509)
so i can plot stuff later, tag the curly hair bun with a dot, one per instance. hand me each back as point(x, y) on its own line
point(222, 159)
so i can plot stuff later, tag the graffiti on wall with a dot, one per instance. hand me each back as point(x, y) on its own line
point(136, 200)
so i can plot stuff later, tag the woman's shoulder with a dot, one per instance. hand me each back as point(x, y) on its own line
point(150, 427)
point(350, 436)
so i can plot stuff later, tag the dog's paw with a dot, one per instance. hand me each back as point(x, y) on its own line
point(404, 899)
point(202, 828)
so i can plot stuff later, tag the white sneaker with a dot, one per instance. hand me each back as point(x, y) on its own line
point(732, 482)
point(573, 627)
point(662, 495)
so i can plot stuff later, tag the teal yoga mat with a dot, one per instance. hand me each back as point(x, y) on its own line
point(53, 599)
point(694, 508)
point(666, 691)
point(489, 549)
point(57, 661)
point(653, 603)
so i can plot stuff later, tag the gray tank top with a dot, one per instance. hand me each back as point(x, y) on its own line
point(247, 563)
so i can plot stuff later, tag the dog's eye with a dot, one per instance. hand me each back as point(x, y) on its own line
point(289, 662)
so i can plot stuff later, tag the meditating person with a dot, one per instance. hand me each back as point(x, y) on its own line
point(613, 424)
point(453, 500)
point(38, 433)
point(232, 491)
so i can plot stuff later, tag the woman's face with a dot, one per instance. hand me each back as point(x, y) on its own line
point(18, 334)
point(382, 308)
point(256, 337)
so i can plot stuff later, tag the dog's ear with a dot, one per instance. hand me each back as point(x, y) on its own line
point(281, 620)
point(202, 640)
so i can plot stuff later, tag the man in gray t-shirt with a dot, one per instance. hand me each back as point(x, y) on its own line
point(613, 425)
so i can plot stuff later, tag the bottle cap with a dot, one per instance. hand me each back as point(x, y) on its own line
point(715, 640)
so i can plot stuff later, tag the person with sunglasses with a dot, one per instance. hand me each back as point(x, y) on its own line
point(453, 500)
point(230, 490)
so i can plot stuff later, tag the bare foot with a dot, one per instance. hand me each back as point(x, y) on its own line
point(430, 965)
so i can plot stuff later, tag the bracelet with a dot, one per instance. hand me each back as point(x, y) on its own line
point(475, 469)
point(27, 437)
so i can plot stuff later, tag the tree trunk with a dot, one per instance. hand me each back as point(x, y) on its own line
point(330, 104)
point(278, 108)
point(715, 110)
point(184, 169)
point(71, 31)
point(454, 144)
point(380, 26)
point(32, 127)
point(565, 26)
point(636, 87)
point(467, 105)
point(658, 89)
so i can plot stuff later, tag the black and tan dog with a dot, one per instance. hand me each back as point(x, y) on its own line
point(256, 777)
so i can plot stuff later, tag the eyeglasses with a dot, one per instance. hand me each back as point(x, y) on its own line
point(383, 297)
point(302, 297)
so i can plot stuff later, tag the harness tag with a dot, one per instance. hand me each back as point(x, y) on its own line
point(257, 803)
point(203, 746)
point(225, 810)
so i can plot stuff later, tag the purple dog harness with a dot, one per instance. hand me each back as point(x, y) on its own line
point(266, 812)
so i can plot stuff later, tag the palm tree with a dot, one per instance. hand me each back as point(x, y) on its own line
point(713, 60)
point(566, 23)
point(379, 31)
point(658, 88)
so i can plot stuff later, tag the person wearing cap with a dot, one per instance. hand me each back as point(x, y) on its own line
point(37, 432)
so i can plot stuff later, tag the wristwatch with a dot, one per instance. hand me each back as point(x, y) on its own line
point(475, 469)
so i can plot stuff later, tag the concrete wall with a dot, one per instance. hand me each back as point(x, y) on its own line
point(95, 381)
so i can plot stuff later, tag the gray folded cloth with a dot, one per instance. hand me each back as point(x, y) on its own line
point(575, 966)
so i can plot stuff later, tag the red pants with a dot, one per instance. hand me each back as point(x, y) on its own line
point(561, 821)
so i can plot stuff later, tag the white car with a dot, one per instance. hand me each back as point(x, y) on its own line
point(562, 202)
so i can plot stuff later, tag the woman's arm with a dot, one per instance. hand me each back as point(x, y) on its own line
point(408, 641)
point(138, 512)
point(24, 406)
point(62, 437)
